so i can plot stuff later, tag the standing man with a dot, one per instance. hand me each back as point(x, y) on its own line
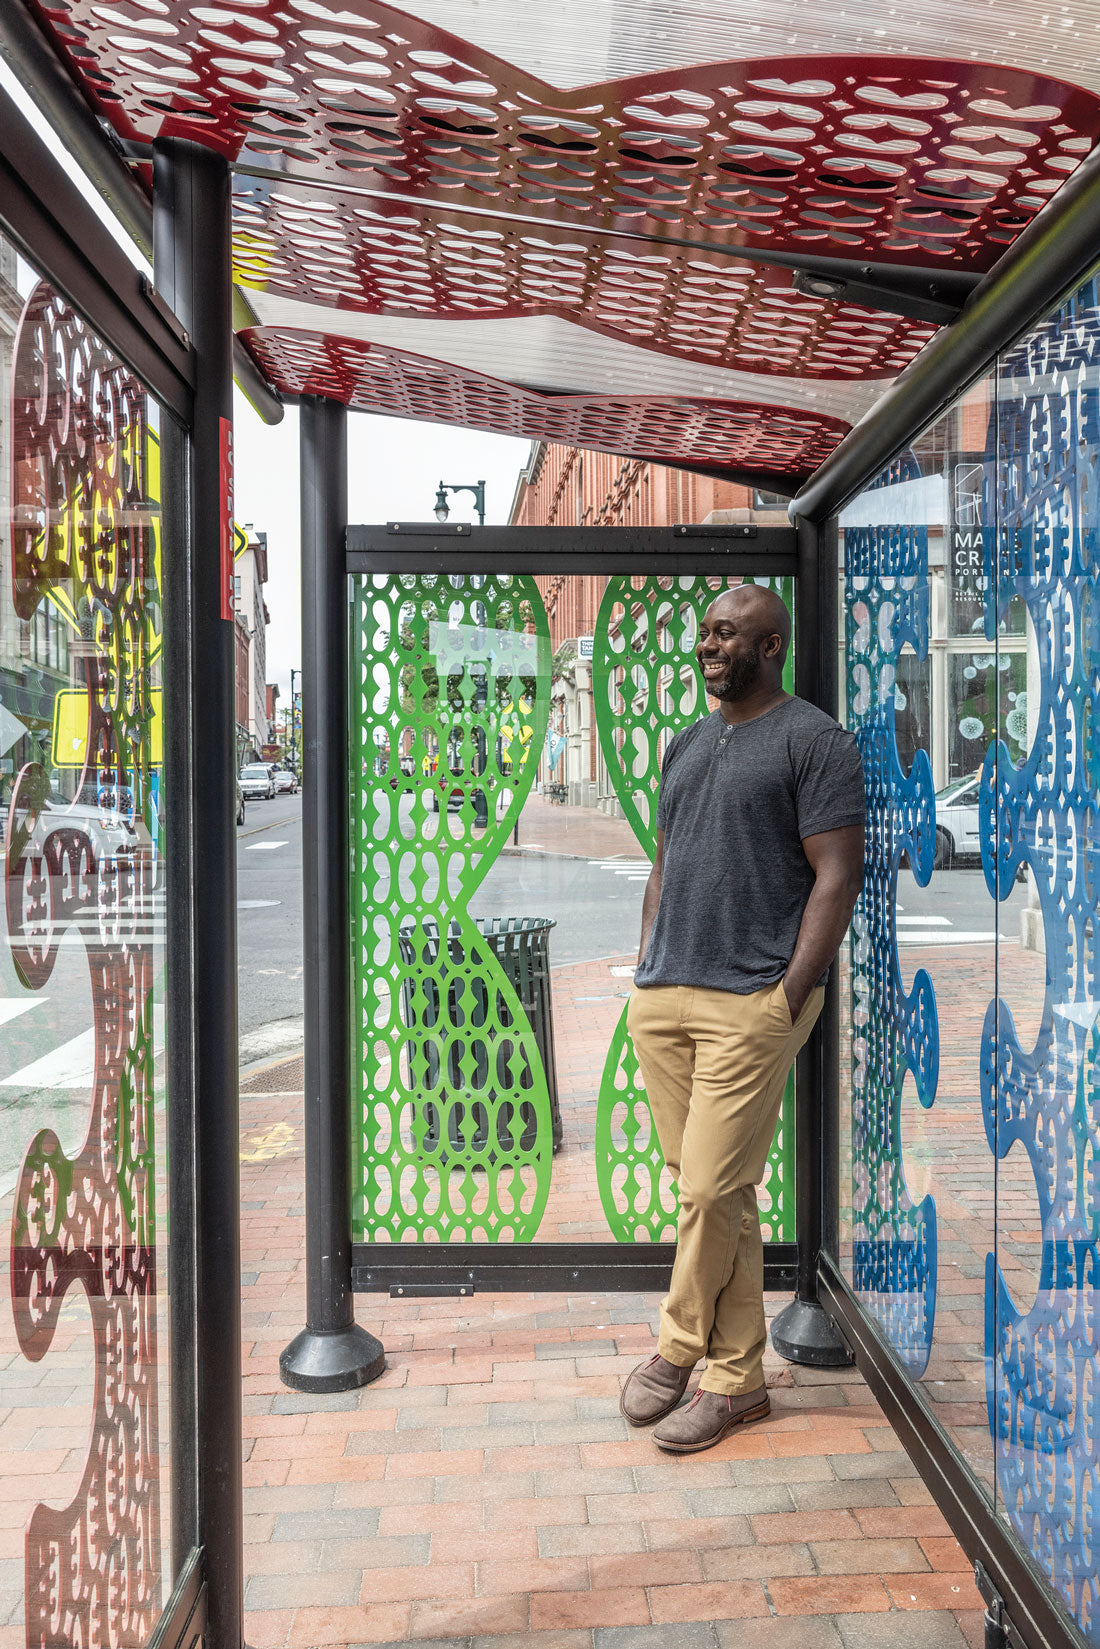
point(759, 864)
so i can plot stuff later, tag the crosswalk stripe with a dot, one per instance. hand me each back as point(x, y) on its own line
point(12, 1006)
point(72, 1065)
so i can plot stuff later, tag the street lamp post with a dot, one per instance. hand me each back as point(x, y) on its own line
point(293, 721)
point(442, 510)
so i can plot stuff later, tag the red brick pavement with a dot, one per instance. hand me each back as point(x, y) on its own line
point(487, 1488)
point(585, 832)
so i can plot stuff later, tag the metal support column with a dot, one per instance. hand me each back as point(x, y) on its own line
point(331, 1353)
point(191, 259)
point(804, 1332)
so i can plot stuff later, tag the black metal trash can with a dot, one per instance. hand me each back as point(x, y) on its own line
point(522, 946)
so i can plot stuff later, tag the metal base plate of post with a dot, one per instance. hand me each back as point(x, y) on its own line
point(805, 1333)
point(334, 1360)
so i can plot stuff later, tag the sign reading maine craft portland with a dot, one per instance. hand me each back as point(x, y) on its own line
point(965, 582)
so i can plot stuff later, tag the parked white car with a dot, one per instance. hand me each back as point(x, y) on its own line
point(957, 835)
point(112, 832)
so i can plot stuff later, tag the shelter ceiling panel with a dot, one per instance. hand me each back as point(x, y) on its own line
point(783, 441)
point(575, 42)
point(904, 160)
point(549, 354)
point(382, 257)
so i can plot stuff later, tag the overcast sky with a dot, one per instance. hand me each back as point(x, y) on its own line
point(394, 467)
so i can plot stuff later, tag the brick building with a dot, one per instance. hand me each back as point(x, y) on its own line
point(936, 697)
point(563, 486)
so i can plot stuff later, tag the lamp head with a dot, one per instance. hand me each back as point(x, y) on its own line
point(441, 509)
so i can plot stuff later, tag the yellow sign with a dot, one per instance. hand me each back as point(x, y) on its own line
point(70, 727)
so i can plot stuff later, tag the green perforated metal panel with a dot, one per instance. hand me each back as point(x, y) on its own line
point(647, 687)
point(450, 696)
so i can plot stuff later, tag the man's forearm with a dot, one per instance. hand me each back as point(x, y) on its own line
point(824, 924)
point(650, 901)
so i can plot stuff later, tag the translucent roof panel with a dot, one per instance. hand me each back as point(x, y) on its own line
point(575, 42)
point(928, 160)
point(544, 352)
point(786, 443)
point(554, 219)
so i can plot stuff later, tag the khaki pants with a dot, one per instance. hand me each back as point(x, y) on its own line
point(715, 1065)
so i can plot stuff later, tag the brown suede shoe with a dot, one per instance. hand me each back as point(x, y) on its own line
point(653, 1390)
point(707, 1419)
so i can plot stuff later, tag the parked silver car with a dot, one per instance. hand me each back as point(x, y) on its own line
point(256, 780)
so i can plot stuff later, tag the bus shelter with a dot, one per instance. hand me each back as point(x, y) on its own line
point(844, 259)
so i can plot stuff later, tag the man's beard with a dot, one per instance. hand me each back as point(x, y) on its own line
point(742, 675)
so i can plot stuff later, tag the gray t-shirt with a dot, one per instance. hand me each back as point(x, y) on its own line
point(735, 802)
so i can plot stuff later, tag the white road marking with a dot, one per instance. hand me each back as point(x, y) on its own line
point(923, 922)
point(263, 847)
point(955, 937)
point(1081, 1013)
point(256, 904)
point(72, 1065)
point(12, 1006)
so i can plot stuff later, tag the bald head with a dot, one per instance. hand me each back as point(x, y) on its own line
point(744, 638)
point(760, 611)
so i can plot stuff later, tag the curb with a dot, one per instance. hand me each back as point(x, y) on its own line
point(259, 1067)
point(554, 853)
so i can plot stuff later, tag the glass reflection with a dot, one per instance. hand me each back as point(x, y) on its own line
point(83, 1355)
point(991, 1164)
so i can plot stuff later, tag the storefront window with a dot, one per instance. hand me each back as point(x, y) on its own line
point(984, 689)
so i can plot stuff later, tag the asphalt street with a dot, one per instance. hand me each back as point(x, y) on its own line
point(269, 927)
point(47, 1041)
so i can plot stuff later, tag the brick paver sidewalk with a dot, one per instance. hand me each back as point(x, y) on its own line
point(487, 1492)
point(582, 832)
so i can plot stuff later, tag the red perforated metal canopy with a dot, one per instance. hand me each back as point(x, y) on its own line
point(705, 235)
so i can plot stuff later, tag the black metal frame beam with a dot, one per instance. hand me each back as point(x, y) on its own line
point(192, 264)
point(1029, 1600)
point(1042, 266)
point(182, 1624)
point(413, 546)
point(804, 1332)
point(545, 1267)
point(44, 213)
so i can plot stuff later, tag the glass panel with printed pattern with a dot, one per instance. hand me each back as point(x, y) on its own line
point(84, 1339)
point(507, 737)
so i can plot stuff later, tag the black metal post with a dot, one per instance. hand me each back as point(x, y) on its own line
point(804, 1332)
point(191, 251)
point(331, 1353)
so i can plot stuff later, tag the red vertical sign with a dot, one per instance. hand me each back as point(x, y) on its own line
point(225, 478)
